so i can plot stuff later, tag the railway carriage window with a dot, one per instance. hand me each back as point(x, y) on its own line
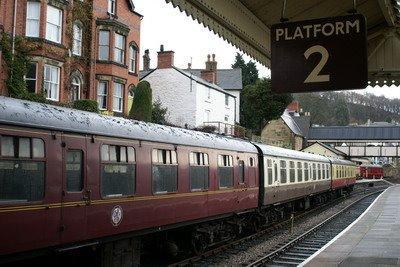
point(118, 171)
point(37, 148)
point(199, 171)
point(241, 171)
point(306, 171)
point(225, 171)
point(269, 171)
point(165, 171)
point(7, 146)
point(283, 172)
point(252, 162)
point(74, 170)
point(292, 172)
point(328, 171)
point(299, 172)
point(21, 170)
point(323, 172)
point(319, 172)
point(314, 171)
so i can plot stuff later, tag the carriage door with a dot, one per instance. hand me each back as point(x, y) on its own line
point(243, 185)
point(75, 196)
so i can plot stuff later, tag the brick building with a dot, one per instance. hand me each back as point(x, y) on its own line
point(82, 49)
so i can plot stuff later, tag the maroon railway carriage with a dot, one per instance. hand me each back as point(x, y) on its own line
point(371, 171)
point(70, 178)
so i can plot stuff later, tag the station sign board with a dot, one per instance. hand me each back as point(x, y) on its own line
point(319, 55)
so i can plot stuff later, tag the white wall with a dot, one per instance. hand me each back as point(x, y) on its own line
point(175, 92)
point(215, 104)
point(237, 94)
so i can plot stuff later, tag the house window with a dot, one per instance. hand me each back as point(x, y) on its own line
point(52, 82)
point(104, 45)
point(132, 58)
point(165, 171)
point(225, 171)
point(209, 93)
point(226, 118)
point(75, 89)
point(119, 51)
point(102, 95)
point(118, 97)
point(111, 7)
point(32, 19)
point(198, 171)
point(226, 100)
point(30, 77)
point(54, 24)
point(77, 43)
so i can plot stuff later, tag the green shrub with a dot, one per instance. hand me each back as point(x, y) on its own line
point(87, 105)
point(158, 113)
point(142, 104)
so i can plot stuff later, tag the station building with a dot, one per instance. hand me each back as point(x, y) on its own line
point(78, 49)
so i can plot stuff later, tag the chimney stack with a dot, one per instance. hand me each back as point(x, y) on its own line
point(146, 60)
point(165, 59)
point(210, 73)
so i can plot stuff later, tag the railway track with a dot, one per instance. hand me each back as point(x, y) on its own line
point(302, 247)
point(225, 250)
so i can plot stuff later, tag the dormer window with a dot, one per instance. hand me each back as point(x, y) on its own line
point(111, 7)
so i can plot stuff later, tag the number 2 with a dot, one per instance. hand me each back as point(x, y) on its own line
point(314, 76)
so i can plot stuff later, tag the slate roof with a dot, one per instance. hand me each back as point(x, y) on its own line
point(299, 125)
point(227, 79)
point(334, 150)
point(144, 73)
point(354, 133)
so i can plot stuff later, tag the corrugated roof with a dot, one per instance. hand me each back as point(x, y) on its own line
point(354, 133)
point(43, 116)
point(227, 79)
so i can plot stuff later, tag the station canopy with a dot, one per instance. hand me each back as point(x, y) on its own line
point(246, 24)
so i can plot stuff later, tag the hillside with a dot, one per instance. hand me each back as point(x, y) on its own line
point(343, 108)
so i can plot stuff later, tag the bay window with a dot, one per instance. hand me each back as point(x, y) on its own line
point(132, 58)
point(52, 82)
point(118, 97)
point(102, 95)
point(104, 45)
point(119, 50)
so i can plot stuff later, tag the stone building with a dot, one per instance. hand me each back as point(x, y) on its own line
point(191, 101)
point(82, 49)
point(289, 131)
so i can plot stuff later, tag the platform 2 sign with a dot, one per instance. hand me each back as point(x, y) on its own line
point(319, 55)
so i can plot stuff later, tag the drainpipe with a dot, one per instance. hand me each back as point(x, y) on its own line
point(14, 25)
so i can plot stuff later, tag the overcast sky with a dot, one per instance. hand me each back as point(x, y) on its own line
point(191, 41)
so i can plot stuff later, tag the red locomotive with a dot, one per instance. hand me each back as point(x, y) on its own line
point(371, 171)
point(71, 179)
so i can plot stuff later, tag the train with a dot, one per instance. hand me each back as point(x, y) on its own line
point(371, 171)
point(72, 179)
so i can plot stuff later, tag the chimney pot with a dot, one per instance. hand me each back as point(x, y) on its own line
point(213, 57)
point(189, 66)
point(146, 60)
point(208, 57)
point(161, 48)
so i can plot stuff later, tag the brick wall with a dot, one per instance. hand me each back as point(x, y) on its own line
point(92, 16)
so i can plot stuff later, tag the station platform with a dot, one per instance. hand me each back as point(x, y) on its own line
point(372, 240)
